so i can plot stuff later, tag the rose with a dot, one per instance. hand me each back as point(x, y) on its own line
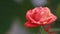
point(39, 16)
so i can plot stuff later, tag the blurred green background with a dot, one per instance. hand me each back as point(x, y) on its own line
point(10, 9)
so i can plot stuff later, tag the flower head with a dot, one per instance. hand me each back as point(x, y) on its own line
point(39, 16)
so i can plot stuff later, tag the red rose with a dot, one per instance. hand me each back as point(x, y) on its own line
point(39, 16)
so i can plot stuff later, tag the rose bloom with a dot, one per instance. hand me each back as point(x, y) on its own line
point(39, 16)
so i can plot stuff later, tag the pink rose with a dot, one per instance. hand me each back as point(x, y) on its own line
point(39, 16)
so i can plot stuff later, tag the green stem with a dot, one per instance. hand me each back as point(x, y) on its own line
point(42, 30)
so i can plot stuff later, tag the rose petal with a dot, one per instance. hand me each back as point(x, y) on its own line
point(29, 25)
point(52, 19)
